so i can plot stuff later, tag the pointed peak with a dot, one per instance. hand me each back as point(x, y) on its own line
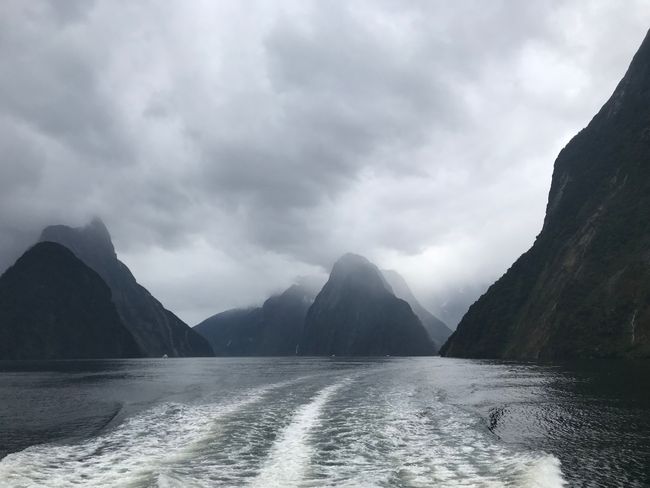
point(349, 263)
point(361, 270)
point(97, 223)
point(98, 230)
point(351, 258)
point(92, 236)
point(633, 91)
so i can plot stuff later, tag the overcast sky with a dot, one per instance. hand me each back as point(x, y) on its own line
point(231, 146)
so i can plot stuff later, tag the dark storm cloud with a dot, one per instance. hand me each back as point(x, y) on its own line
point(347, 95)
point(50, 82)
point(231, 147)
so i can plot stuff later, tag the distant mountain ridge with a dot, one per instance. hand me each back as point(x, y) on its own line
point(583, 289)
point(274, 329)
point(437, 329)
point(451, 304)
point(53, 306)
point(356, 307)
point(157, 331)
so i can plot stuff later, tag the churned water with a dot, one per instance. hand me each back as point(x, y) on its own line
point(285, 422)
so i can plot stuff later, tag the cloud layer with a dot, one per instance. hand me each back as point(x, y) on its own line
point(232, 146)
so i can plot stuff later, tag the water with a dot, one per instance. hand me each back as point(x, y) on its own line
point(283, 422)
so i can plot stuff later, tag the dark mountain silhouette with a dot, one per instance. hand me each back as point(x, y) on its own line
point(583, 289)
point(273, 329)
point(356, 313)
point(53, 306)
point(437, 329)
point(234, 332)
point(156, 330)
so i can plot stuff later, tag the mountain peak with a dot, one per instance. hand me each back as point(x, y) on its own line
point(97, 227)
point(93, 237)
point(156, 330)
point(360, 272)
point(350, 262)
point(634, 86)
point(356, 313)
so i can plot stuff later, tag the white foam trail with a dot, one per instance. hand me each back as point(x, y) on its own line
point(130, 455)
point(291, 452)
point(457, 453)
point(388, 440)
point(543, 472)
point(381, 434)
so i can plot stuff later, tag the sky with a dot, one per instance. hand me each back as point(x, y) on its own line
point(231, 147)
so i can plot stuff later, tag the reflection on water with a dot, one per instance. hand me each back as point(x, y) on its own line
point(282, 422)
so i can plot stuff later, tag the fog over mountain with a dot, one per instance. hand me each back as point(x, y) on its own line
point(234, 146)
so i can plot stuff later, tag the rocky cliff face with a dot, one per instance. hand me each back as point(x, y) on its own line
point(583, 289)
point(53, 306)
point(271, 330)
point(437, 329)
point(356, 313)
point(156, 330)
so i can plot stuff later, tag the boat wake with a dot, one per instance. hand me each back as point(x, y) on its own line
point(132, 454)
point(341, 430)
point(290, 455)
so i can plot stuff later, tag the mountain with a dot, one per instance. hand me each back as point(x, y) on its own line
point(583, 289)
point(53, 306)
point(156, 330)
point(357, 314)
point(437, 329)
point(234, 332)
point(451, 304)
point(284, 319)
point(273, 329)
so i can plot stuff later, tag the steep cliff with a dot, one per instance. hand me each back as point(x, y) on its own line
point(53, 306)
point(583, 289)
point(156, 330)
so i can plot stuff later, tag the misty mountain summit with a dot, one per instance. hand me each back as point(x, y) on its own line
point(357, 314)
point(157, 331)
point(53, 306)
point(583, 289)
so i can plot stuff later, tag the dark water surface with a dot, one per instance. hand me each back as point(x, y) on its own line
point(282, 422)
